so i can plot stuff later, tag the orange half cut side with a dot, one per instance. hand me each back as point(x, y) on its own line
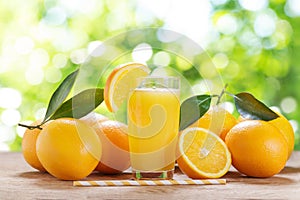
point(196, 161)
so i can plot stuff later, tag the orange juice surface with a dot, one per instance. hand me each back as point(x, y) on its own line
point(153, 120)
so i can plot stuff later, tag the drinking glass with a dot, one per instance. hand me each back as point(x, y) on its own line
point(153, 121)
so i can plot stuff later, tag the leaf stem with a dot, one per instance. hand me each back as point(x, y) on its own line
point(31, 127)
point(221, 94)
point(230, 94)
point(214, 95)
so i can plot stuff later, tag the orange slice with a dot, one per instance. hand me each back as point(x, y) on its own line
point(202, 154)
point(120, 82)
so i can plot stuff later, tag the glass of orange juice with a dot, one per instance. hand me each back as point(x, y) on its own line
point(153, 121)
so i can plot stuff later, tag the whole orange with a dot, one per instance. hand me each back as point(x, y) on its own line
point(68, 148)
point(218, 120)
point(115, 147)
point(29, 147)
point(258, 149)
point(285, 129)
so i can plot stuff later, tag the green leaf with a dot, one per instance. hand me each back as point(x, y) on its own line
point(80, 104)
point(192, 109)
point(251, 108)
point(60, 94)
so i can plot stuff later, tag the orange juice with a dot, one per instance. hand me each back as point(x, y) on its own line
point(153, 120)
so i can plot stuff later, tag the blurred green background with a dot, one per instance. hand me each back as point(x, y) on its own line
point(254, 45)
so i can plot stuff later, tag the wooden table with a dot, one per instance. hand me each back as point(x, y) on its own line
point(19, 181)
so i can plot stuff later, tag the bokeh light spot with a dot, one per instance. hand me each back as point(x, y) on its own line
point(292, 8)
point(265, 24)
point(218, 2)
point(53, 75)
point(208, 70)
point(220, 60)
point(249, 39)
point(78, 56)
point(55, 16)
point(34, 76)
point(161, 59)
point(142, 53)
point(24, 45)
point(96, 48)
point(40, 113)
point(288, 104)
point(182, 15)
point(202, 87)
point(10, 98)
point(183, 64)
point(7, 133)
point(283, 33)
point(10, 117)
point(60, 60)
point(254, 5)
point(39, 58)
point(229, 106)
point(227, 24)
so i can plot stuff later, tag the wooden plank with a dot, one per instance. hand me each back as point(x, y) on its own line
point(20, 181)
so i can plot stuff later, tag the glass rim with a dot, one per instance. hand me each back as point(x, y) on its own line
point(159, 77)
point(159, 81)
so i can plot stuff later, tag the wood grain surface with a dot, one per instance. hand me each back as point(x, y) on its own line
point(19, 181)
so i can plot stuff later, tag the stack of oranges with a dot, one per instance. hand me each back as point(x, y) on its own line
point(71, 149)
point(257, 148)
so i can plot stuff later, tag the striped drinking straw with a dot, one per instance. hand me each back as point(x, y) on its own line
point(104, 183)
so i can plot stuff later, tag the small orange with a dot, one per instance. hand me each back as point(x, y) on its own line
point(115, 147)
point(258, 149)
point(218, 120)
point(202, 154)
point(29, 147)
point(120, 82)
point(68, 148)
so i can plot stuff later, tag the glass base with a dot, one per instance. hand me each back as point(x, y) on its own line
point(156, 175)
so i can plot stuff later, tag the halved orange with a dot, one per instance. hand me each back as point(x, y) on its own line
point(202, 154)
point(120, 82)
